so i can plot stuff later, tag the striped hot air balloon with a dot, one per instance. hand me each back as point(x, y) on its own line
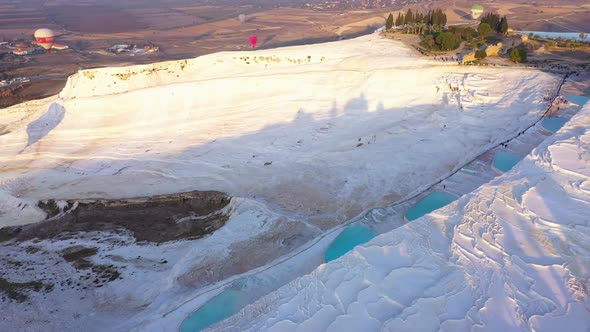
point(476, 11)
point(45, 38)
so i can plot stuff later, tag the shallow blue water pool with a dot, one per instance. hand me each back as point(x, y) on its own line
point(554, 35)
point(435, 200)
point(553, 123)
point(504, 161)
point(220, 307)
point(578, 100)
point(349, 238)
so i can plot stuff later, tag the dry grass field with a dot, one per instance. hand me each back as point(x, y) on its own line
point(562, 18)
point(95, 19)
point(180, 31)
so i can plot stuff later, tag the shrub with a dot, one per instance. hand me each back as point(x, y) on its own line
point(446, 40)
point(497, 23)
point(481, 54)
point(518, 54)
point(389, 22)
point(484, 29)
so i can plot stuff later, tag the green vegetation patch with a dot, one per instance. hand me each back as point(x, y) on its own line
point(518, 54)
point(6, 234)
point(496, 22)
point(17, 290)
point(481, 54)
point(76, 253)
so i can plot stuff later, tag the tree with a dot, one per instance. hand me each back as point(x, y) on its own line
point(493, 20)
point(518, 54)
point(429, 39)
point(484, 29)
point(436, 19)
point(389, 22)
point(468, 34)
point(481, 54)
point(420, 23)
point(583, 36)
point(399, 21)
point(446, 41)
point(503, 25)
point(432, 21)
point(409, 17)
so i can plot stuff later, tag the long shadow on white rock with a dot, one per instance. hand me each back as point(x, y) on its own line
point(39, 128)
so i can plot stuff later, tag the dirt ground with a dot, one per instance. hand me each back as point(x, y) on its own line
point(91, 19)
point(29, 91)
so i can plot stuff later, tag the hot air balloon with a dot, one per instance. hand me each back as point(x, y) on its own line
point(242, 18)
point(45, 38)
point(253, 40)
point(476, 11)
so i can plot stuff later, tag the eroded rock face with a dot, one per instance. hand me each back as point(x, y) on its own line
point(158, 219)
point(71, 247)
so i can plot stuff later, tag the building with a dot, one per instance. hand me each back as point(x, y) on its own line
point(133, 49)
point(119, 48)
point(23, 51)
point(59, 47)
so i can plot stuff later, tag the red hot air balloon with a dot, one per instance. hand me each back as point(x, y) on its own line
point(253, 40)
point(45, 38)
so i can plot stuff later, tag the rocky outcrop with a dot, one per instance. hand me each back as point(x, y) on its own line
point(155, 218)
point(468, 57)
point(493, 50)
point(513, 41)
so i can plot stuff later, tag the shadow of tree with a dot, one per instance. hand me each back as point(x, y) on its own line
point(267, 39)
point(463, 14)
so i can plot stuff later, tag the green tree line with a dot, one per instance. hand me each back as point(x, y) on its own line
point(448, 40)
point(497, 23)
point(419, 23)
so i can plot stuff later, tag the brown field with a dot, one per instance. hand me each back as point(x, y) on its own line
point(28, 91)
point(94, 19)
point(14, 18)
point(563, 18)
point(184, 29)
point(181, 31)
point(552, 16)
